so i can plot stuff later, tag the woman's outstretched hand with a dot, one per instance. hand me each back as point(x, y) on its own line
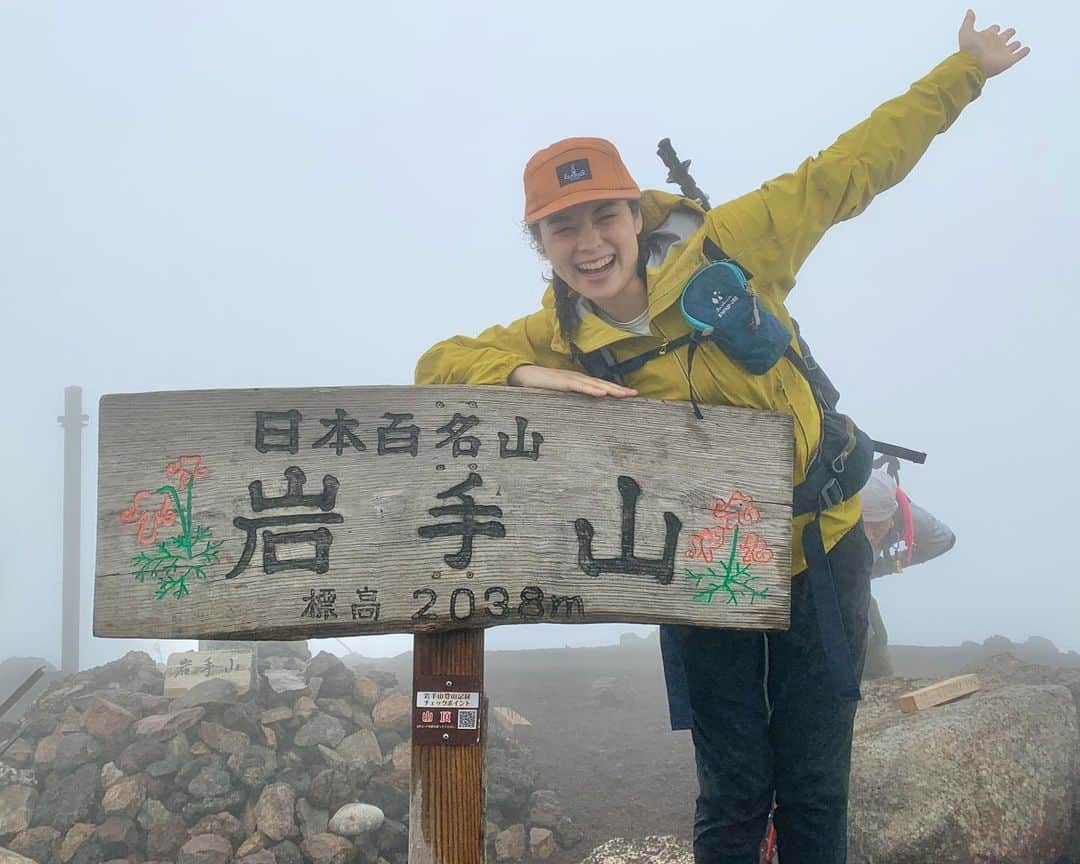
point(567, 381)
point(991, 47)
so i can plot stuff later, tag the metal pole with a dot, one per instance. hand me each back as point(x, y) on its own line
point(72, 420)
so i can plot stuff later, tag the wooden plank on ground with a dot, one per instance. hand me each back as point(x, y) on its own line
point(307, 513)
point(937, 694)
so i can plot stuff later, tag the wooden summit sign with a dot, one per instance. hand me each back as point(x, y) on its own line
point(305, 513)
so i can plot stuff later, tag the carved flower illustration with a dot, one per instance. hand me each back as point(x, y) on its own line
point(147, 518)
point(755, 550)
point(187, 554)
point(186, 468)
point(738, 509)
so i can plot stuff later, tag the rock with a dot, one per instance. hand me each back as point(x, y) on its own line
point(942, 784)
point(327, 849)
point(393, 836)
point(541, 843)
point(338, 707)
point(211, 782)
point(152, 813)
point(162, 727)
point(390, 793)
point(16, 808)
point(244, 717)
point(388, 739)
point(73, 799)
point(330, 788)
point(262, 856)
point(320, 729)
point(331, 757)
point(195, 810)
point(274, 811)
point(223, 824)
point(255, 841)
point(218, 737)
point(285, 682)
point(287, 852)
point(365, 692)
point(45, 752)
point(105, 719)
point(205, 849)
point(567, 834)
point(125, 797)
point(510, 844)
point(20, 753)
point(511, 778)
point(393, 713)
point(360, 748)
point(313, 820)
point(254, 766)
point(276, 715)
point(544, 809)
point(646, 850)
point(305, 707)
point(8, 856)
point(140, 754)
point(38, 844)
point(74, 750)
point(337, 684)
point(213, 691)
point(164, 768)
point(118, 837)
point(355, 819)
point(164, 839)
point(110, 774)
point(323, 664)
point(402, 756)
point(78, 835)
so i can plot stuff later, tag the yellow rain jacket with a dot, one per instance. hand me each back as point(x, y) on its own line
point(770, 232)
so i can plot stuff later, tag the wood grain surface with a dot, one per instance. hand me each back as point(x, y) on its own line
point(379, 570)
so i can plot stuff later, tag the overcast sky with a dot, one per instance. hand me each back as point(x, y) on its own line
point(182, 184)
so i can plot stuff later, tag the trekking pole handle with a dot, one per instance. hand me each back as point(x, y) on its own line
point(679, 172)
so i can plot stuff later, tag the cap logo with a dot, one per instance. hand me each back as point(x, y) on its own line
point(572, 172)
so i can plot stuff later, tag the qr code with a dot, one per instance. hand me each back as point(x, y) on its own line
point(466, 719)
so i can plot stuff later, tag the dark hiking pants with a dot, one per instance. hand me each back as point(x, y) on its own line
point(765, 720)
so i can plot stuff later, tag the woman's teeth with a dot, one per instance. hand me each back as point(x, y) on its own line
point(597, 266)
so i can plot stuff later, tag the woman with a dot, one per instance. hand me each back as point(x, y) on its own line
point(764, 716)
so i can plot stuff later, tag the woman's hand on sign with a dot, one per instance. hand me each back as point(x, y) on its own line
point(991, 47)
point(567, 381)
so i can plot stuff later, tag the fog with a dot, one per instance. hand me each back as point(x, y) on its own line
point(273, 195)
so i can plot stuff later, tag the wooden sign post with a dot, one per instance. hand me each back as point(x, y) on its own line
point(437, 511)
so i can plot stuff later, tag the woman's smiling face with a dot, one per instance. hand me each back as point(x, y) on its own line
point(593, 247)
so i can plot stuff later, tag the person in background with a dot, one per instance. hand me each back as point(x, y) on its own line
point(902, 534)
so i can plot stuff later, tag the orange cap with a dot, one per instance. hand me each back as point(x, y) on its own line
point(573, 171)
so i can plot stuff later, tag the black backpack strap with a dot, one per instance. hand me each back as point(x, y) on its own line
point(601, 363)
point(711, 249)
point(834, 642)
point(824, 390)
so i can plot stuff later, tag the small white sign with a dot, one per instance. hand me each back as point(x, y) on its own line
point(187, 668)
point(446, 699)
